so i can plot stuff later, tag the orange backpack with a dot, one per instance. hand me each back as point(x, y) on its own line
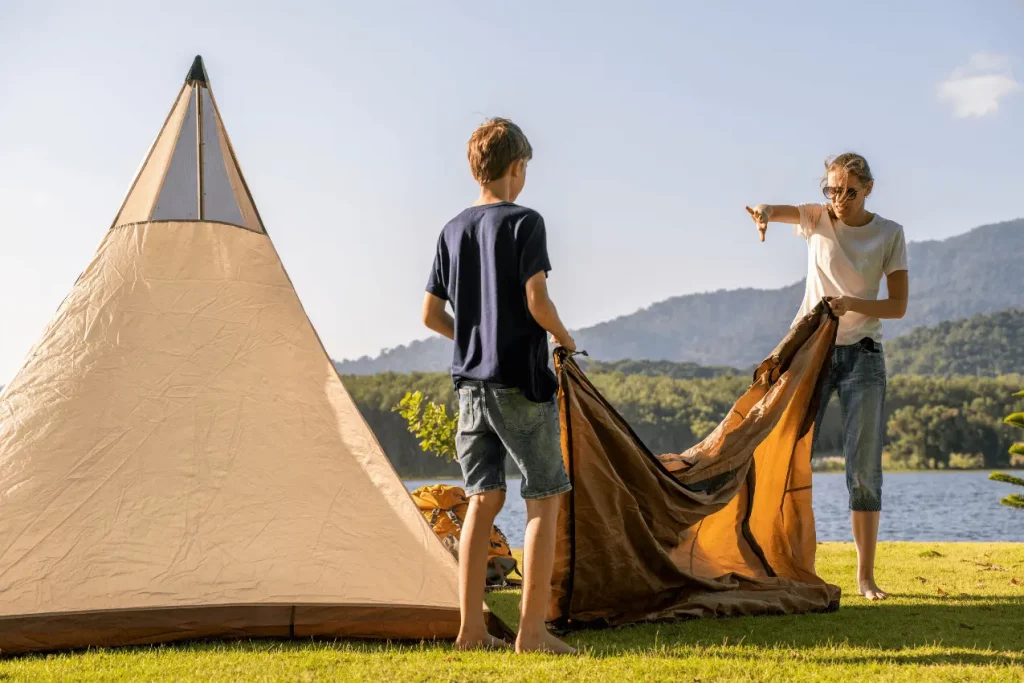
point(444, 508)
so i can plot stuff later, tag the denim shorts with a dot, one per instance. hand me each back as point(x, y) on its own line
point(857, 373)
point(494, 422)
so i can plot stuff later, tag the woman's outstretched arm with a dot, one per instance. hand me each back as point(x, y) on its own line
point(763, 214)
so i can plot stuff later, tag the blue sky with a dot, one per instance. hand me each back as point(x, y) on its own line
point(653, 124)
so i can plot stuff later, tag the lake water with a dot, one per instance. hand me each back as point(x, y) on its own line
point(918, 506)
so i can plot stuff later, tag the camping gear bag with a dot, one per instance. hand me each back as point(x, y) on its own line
point(445, 508)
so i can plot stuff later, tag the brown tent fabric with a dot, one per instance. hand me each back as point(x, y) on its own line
point(724, 529)
point(178, 456)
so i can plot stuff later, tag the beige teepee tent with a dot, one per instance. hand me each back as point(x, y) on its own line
point(178, 457)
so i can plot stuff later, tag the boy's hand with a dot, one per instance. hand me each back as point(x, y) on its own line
point(569, 344)
point(760, 213)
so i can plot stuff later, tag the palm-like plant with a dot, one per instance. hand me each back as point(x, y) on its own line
point(1014, 500)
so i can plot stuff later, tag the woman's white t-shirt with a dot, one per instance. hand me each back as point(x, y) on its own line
point(849, 261)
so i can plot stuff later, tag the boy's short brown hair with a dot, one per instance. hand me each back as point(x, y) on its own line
point(495, 146)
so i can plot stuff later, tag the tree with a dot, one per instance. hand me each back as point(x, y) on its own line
point(430, 423)
point(1014, 500)
point(923, 437)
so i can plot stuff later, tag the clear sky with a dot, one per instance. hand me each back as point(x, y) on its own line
point(653, 123)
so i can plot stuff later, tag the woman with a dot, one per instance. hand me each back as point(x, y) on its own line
point(849, 250)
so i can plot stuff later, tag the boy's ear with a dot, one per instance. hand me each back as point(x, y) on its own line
point(517, 167)
point(867, 189)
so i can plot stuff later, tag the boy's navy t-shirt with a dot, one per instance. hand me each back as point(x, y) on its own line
point(484, 257)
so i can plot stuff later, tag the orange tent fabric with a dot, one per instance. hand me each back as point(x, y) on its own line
point(723, 529)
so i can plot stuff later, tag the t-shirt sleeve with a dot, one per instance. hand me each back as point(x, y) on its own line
point(810, 214)
point(896, 258)
point(533, 248)
point(439, 272)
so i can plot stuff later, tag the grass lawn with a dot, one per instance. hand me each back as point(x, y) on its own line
point(957, 614)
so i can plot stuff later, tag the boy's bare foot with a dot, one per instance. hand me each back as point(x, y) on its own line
point(543, 642)
point(870, 590)
point(483, 641)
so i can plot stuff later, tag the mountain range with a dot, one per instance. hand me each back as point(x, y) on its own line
point(977, 272)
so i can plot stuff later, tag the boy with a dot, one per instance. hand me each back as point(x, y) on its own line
point(492, 265)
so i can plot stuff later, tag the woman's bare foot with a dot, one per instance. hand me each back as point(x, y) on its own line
point(542, 642)
point(870, 590)
point(484, 641)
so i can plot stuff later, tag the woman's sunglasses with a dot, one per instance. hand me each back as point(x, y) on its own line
point(838, 194)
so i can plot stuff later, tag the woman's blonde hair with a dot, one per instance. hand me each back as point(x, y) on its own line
point(850, 162)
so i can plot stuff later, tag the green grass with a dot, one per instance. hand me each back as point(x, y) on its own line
point(957, 614)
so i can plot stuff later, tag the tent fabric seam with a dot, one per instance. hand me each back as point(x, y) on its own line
point(192, 221)
point(226, 605)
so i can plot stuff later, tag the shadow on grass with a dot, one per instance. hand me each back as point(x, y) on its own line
point(964, 630)
point(975, 630)
point(976, 633)
point(898, 658)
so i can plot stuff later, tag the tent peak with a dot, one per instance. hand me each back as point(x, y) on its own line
point(197, 74)
point(190, 172)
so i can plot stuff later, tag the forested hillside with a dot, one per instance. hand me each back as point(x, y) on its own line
point(929, 418)
point(986, 345)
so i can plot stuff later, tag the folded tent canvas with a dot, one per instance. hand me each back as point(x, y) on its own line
point(723, 529)
point(178, 456)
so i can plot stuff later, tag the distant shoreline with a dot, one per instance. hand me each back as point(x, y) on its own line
point(446, 478)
